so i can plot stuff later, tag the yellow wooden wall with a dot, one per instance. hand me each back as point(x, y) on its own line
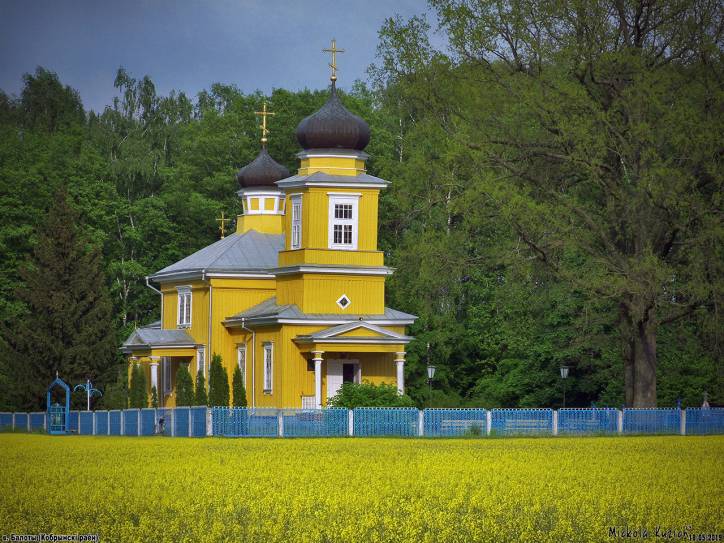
point(318, 293)
point(315, 216)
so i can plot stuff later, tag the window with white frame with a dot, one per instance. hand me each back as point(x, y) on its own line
point(296, 221)
point(201, 360)
point(241, 362)
point(184, 307)
point(268, 367)
point(343, 222)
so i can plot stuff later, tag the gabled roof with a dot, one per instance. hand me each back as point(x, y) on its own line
point(321, 179)
point(144, 338)
point(268, 312)
point(338, 334)
point(236, 253)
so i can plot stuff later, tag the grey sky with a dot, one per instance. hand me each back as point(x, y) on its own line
point(189, 44)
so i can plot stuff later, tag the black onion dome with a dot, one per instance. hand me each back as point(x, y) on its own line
point(333, 127)
point(263, 171)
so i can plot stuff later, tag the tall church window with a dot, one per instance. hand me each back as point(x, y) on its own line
point(184, 307)
point(201, 360)
point(296, 221)
point(241, 361)
point(343, 222)
point(268, 367)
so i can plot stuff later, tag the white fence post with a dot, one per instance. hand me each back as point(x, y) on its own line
point(350, 422)
point(191, 427)
point(619, 422)
point(45, 421)
point(421, 423)
point(29, 421)
point(555, 422)
point(123, 422)
point(93, 423)
point(280, 423)
point(488, 421)
point(13, 421)
point(209, 422)
point(108, 422)
point(682, 421)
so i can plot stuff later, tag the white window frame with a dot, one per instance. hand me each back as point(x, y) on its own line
point(241, 362)
point(184, 307)
point(296, 236)
point(344, 199)
point(268, 368)
point(201, 360)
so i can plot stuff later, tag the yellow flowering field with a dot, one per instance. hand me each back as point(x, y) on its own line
point(367, 490)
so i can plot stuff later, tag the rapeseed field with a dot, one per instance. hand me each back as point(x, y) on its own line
point(366, 490)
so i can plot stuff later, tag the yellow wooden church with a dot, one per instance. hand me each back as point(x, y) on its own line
point(295, 297)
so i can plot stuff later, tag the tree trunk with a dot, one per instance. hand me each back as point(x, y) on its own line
point(639, 358)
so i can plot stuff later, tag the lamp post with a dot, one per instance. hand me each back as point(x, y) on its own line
point(564, 376)
point(89, 391)
point(430, 376)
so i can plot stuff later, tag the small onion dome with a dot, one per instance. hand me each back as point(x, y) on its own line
point(333, 127)
point(263, 171)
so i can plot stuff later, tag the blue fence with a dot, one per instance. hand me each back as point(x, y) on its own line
point(315, 422)
point(386, 421)
point(114, 423)
point(651, 421)
point(101, 418)
point(37, 422)
point(454, 422)
point(587, 421)
point(377, 421)
point(85, 423)
point(521, 421)
point(705, 420)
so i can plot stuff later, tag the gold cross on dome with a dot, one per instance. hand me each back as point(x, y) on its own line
point(334, 52)
point(222, 225)
point(264, 114)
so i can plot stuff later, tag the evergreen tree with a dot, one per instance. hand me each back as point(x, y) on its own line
point(237, 386)
point(138, 397)
point(218, 383)
point(154, 397)
point(67, 325)
point(200, 397)
point(184, 387)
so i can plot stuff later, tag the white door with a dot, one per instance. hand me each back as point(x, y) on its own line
point(341, 371)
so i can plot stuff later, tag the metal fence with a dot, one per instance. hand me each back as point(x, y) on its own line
point(377, 421)
point(651, 421)
point(704, 420)
point(454, 422)
point(573, 421)
point(521, 421)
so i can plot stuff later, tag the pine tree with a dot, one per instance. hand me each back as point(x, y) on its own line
point(200, 397)
point(238, 389)
point(154, 397)
point(67, 326)
point(138, 396)
point(184, 387)
point(218, 383)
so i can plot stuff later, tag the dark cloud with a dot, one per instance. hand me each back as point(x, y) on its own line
point(188, 45)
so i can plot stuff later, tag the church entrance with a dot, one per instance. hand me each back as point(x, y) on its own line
point(342, 371)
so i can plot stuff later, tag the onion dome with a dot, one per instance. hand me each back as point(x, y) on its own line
point(263, 171)
point(333, 127)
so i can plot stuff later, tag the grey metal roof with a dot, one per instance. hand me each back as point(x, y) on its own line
point(268, 310)
point(323, 178)
point(346, 327)
point(250, 251)
point(149, 337)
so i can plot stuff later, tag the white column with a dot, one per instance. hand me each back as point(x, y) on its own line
point(400, 362)
point(154, 375)
point(318, 378)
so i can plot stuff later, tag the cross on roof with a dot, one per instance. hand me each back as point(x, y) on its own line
point(222, 224)
point(264, 130)
point(334, 52)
